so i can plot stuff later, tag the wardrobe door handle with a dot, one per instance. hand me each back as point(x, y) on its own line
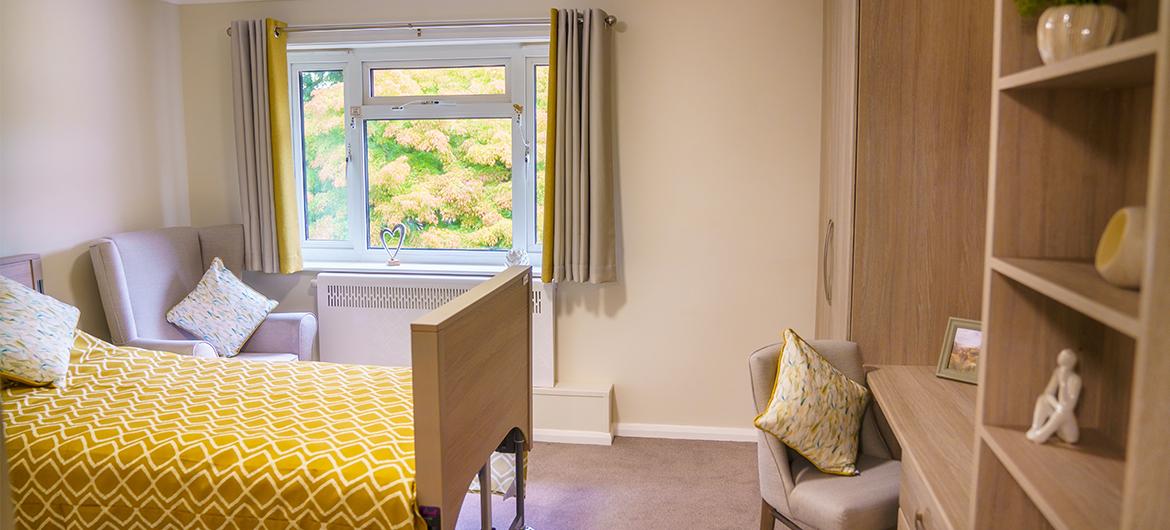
point(826, 269)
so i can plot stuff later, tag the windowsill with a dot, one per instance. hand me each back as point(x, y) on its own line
point(425, 269)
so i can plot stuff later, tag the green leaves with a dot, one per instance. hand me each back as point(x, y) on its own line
point(1033, 8)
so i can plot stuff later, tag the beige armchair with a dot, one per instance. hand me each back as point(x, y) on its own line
point(796, 493)
point(141, 275)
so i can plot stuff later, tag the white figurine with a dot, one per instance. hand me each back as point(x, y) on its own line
point(1056, 408)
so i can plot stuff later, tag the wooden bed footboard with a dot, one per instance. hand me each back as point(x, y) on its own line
point(472, 364)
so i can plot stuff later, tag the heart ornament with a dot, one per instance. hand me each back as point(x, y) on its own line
point(401, 230)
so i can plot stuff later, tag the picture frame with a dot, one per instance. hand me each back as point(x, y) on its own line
point(962, 347)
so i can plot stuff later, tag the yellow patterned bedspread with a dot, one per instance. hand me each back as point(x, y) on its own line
point(143, 439)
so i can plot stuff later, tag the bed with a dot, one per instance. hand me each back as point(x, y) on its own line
point(146, 439)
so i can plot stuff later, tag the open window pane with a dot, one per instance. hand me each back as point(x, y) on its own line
point(457, 81)
point(448, 180)
point(323, 145)
point(541, 117)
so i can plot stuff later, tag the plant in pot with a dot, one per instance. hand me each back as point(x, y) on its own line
point(1067, 28)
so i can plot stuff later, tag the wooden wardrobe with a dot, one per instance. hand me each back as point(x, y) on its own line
point(906, 116)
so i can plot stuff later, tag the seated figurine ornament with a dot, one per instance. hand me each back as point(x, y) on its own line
point(1055, 411)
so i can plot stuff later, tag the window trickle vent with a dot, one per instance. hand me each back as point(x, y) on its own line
point(392, 297)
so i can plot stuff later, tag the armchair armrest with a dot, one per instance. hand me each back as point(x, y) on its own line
point(194, 348)
point(285, 333)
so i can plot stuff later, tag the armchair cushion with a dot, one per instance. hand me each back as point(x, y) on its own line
point(221, 310)
point(868, 501)
point(194, 348)
point(815, 409)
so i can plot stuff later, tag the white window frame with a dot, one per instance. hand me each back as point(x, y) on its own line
point(519, 59)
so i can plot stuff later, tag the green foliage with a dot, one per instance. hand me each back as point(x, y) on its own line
point(1033, 8)
point(449, 180)
point(323, 110)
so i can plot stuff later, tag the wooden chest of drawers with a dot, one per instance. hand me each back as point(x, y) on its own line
point(933, 421)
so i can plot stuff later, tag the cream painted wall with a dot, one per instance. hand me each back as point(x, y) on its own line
point(718, 124)
point(90, 132)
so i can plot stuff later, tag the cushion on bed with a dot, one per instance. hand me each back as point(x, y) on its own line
point(221, 310)
point(815, 409)
point(36, 334)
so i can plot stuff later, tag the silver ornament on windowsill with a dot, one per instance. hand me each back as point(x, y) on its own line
point(516, 257)
point(400, 230)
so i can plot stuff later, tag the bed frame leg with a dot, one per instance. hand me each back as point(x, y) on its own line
point(514, 444)
point(520, 472)
point(485, 496)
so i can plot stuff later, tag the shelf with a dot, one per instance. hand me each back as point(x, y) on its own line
point(1074, 486)
point(1126, 64)
point(1078, 286)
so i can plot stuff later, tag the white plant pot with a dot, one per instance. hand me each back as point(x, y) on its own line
point(1121, 252)
point(1071, 30)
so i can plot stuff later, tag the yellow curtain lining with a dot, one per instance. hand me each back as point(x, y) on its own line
point(550, 187)
point(284, 188)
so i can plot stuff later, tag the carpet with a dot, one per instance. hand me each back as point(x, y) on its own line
point(636, 483)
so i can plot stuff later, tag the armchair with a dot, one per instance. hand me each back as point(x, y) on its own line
point(794, 492)
point(141, 275)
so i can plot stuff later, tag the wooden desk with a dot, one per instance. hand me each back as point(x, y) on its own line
point(934, 421)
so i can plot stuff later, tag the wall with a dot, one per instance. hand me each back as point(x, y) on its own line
point(90, 133)
point(718, 120)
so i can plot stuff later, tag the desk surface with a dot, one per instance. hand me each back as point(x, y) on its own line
point(934, 420)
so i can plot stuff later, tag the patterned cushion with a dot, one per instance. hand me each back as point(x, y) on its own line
point(36, 333)
point(221, 310)
point(815, 409)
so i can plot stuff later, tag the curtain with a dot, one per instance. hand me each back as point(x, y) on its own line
point(264, 159)
point(579, 222)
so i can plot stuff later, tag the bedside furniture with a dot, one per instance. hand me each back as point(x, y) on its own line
point(934, 422)
point(796, 493)
point(141, 275)
point(24, 268)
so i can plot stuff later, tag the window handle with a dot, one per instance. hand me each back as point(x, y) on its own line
point(520, 121)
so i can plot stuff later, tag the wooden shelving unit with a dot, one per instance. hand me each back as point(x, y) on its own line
point(1073, 142)
point(1092, 500)
point(1129, 63)
point(1076, 285)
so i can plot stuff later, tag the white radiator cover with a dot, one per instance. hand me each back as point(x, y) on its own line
point(365, 318)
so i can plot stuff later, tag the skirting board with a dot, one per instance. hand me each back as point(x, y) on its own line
point(686, 432)
point(572, 437)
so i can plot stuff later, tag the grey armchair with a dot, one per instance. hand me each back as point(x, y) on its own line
point(794, 492)
point(141, 275)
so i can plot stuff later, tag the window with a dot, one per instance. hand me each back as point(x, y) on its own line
point(323, 164)
point(460, 81)
point(447, 140)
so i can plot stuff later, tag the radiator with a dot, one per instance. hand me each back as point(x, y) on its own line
point(365, 318)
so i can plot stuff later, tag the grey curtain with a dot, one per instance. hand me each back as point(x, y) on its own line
point(583, 238)
point(254, 145)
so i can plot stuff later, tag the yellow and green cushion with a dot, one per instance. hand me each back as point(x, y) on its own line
point(36, 333)
point(221, 310)
point(815, 409)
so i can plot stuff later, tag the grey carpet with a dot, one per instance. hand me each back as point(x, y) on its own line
point(635, 484)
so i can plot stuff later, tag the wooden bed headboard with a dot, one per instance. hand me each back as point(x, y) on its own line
point(24, 268)
point(472, 364)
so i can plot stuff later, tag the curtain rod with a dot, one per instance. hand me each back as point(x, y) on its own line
point(419, 26)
